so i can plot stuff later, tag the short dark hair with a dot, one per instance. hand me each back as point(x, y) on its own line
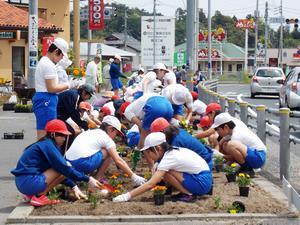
point(170, 132)
point(53, 47)
point(104, 126)
point(230, 124)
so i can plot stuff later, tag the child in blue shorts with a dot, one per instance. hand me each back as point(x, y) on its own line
point(182, 168)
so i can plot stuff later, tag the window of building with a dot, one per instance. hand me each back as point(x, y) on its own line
point(239, 67)
point(230, 67)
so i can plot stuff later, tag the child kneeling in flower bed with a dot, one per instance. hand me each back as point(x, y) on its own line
point(180, 167)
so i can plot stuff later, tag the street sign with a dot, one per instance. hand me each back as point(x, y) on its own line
point(33, 40)
point(179, 58)
point(164, 40)
point(276, 20)
point(96, 14)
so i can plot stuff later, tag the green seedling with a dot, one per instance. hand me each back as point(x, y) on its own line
point(217, 201)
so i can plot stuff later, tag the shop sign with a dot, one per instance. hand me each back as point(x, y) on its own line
point(245, 23)
point(8, 35)
point(96, 14)
point(203, 53)
point(47, 41)
point(297, 54)
point(216, 35)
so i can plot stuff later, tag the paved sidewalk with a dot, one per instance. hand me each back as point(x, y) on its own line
point(12, 149)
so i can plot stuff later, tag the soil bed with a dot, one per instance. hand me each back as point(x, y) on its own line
point(258, 201)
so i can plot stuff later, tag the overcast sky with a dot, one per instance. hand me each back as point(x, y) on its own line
point(239, 8)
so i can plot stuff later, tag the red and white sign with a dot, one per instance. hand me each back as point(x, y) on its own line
point(96, 14)
point(203, 53)
point(245, 23)
point(47, 41)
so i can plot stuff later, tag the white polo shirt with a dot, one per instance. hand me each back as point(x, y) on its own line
point(45, 70)
point(135, 109)
point(169, 78)
point(88, 143)
point(151, 78)
point(183, 160)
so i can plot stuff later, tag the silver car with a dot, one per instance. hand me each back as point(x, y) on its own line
point(290, 90)
point(265, 80)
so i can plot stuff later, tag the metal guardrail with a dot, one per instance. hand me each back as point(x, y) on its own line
point(264, 125)
point(291, 193)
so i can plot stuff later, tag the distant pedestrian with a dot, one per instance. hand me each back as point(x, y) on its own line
point(92, 72)
point(115, 74)
point(106, 77)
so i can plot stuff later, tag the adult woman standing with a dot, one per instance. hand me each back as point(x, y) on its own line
point(46, 85)
point(42, 167)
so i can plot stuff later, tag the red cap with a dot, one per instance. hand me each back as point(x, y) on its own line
point(114, 97)
point(85, 105)
point(194, 95)
point(205, 122)
point(159, 124)
point(123, 108)
point(57, 126)
point(105, 110)
point(212, 107)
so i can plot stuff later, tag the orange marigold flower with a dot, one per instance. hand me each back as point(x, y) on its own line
point(126, 175)
point(117, 191)
point(75, 72)
point(119, 186)
point(113, 177)
point(117, 174)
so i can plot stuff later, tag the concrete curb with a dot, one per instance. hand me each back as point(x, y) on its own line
point(21, 214)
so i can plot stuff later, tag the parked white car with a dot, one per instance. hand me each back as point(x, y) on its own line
point(264, 81)
point(290, 90)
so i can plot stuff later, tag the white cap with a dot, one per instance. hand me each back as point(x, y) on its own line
point(154, 139)
point(141, 69)
point(160, 66)
point(179, 97)
point(221, 119)
point(62, 45)
point(111, 60)
point(117, 56)
point(114, 122)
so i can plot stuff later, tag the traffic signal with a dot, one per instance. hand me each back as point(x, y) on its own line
point(292, 21)
point(109, 12)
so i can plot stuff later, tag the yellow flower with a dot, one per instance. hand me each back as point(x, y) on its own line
point(232, 211)
point(117, 191)
point(247, 175)
point(241, 175)
point(119, 186)
point(113, 177)
point(233, 165)
point(76, 72)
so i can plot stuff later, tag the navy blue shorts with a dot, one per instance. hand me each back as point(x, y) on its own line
point(198, 184)
point(31, 184)
point(89, 164)
point(116, 83)
point(255, 158)
point(155, 107)
point(44, 108)
point(178, 109)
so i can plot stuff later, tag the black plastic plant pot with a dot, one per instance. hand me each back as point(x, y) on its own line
point(219, 168)
point(159, 199)
point(231, 177)
point(244, 191)
point(9, 106)
point(239, 206)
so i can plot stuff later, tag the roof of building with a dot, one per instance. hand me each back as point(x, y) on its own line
point(118, 39)
point(14, 18)
point(105, 50)
point(230, 52)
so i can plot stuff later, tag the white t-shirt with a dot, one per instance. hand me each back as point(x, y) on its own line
point(199, 107)
point(183, 160)
point(111, 107)
point(88, 143)
point(169, 91)
point(169, 78)
point(135, 109)
point(45, 70)
point(151, 78)
point(91, 72)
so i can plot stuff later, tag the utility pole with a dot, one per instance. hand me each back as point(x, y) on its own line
point(266, 34)
point(154, 32)
point(281, 36)
point(256, 34)
point(246, 51)
point(32, 41)
point(125, 29)
point(209, 41)
point(90, 37)
point(76, 35)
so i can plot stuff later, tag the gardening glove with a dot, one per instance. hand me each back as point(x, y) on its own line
point(138, 180)
point(175, 122)
point(122, 198)
point(93, 183)
point(78, 193)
